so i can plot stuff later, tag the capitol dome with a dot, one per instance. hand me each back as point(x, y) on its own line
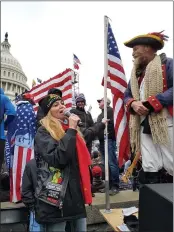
point(13, 79)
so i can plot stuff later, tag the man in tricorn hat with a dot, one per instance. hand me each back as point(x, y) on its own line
point(149, 99)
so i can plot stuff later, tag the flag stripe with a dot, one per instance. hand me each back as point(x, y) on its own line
point(116, 66)
point(18, 172)
point(22, 155)
point(29, 153)
point(62, 81)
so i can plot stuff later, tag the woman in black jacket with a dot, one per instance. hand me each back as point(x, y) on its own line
point(63, 180)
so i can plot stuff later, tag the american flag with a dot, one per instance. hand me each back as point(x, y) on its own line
point(21, 156)
point(20, 137)
point(117, 83)
point(76, 66)
point(62, 81)
point(76, 59)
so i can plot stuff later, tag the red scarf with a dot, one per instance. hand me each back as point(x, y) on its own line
point(84, 160)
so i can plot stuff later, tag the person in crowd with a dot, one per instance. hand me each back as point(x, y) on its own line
point(98, 184)
point(7, 114)
point(85, 117)
point(112, 158)
point(40, 113)
point(62, 159)
point(29, 183)
point(149, 99)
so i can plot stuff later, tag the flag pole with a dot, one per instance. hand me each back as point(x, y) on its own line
point(107, 209)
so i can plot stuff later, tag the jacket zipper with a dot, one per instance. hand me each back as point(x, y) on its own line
point(64, 191)
point(61, 207)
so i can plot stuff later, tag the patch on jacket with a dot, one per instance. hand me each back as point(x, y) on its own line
point(54, 186)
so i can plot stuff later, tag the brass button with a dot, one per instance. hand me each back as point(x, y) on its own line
point(156, 104)
point(153, 99)
point(164, 85)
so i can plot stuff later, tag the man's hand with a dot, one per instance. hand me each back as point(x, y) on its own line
point(138, 107)
point(105, 120)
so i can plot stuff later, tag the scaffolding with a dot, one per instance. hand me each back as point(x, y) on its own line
point(75, 87)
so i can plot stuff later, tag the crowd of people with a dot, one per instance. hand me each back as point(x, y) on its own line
point(63, 169)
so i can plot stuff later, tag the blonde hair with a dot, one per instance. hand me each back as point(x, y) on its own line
point(54, 127)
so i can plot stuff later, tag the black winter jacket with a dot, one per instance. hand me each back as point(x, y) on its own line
point(84, 116)
point(58, 154)
point(111, 131)
point(29, 182)
point(91, 133)
point(88, 123)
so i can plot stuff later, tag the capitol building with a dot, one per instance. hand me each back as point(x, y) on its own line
point(13, 79)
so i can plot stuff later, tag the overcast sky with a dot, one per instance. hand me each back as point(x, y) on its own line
point(44, 35)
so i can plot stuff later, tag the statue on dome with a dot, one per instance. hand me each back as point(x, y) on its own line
point(6, 36)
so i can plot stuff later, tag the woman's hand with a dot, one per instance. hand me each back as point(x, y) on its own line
point(73, 121)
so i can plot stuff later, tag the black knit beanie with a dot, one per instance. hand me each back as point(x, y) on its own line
point(47, 102)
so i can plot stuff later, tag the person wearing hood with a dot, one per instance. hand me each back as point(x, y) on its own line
point(7, 114)
point(85, 118)
point(84, 115)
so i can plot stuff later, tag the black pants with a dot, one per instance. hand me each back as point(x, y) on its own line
point(2, 148)
point(155, 177)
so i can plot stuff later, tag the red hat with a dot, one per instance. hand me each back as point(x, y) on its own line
point(96, 170)
point(29, 97)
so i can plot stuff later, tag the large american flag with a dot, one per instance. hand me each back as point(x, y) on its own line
point(118, 84)
point(20, 138)
point(62, 81)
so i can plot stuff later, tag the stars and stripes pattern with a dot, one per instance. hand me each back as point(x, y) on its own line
point(20, 138)
point(62, 81)
point(76, 59)
point(76, 62)
point(118, 84)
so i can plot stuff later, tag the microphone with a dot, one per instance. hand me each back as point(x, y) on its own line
point(68, 114)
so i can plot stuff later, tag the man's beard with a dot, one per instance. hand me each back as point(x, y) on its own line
point(140, 62)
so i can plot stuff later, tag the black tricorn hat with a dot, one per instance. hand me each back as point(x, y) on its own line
point(154, 39)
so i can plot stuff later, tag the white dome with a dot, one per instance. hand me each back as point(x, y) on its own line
point(13, 79)
point(8, 59)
